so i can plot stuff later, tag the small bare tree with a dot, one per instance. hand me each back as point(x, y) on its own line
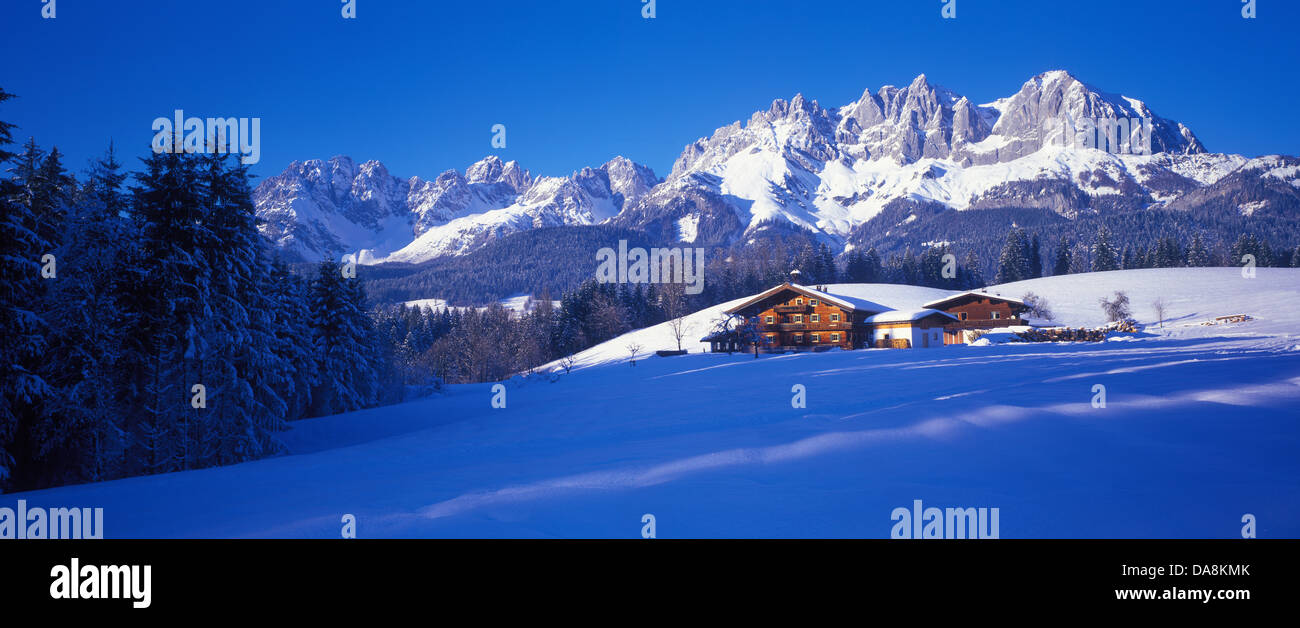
point(634, 348)
point(567, 363)
point(1038, 306)
point(1116, 309)
point(1159, 306)
point(672, 299)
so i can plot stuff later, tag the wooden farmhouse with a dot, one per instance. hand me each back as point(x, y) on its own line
point(793, 317)
point(976, 310)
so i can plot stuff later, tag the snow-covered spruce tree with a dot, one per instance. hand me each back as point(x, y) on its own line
point(1014, 263)
point(172, 297)
point(1248, 244)
point(46, 191)
point(969, 275)
point(242, 371)
point(341, 336)
point(1062, 264)
point(21, 389)
point(932, 267)
point(1295, 258)
point(78, 435)
point(826, 265)
point(855, 267)
point(293, 335)
point(1197, 255)
point(1104, 256)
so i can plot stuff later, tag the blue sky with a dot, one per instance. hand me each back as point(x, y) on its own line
point(419, 84)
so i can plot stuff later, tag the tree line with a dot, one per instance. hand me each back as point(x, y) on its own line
point(149, 327)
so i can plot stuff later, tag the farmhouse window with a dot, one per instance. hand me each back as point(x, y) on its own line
point(769, 320)
point(815, 338)
point(816, 318)
point(835, 318)
point(963, 316)
point(813, 302)
point(798, 318)
point(835, 337)
point(996, 315)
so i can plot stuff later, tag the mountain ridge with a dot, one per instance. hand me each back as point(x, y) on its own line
point(831, 171)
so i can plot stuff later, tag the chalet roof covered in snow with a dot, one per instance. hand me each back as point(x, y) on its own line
point(906, 316)
point(850, 303)
point(971, 294)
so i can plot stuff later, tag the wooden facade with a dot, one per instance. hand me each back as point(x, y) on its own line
point(980, 310)
point(791, 317)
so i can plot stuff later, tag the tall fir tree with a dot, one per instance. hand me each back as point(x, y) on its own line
point(1014, 264)
point(1197, 255)
point(341, 336)
point(22, 390)
point(168, 202)
point(293, 333)
point(1063, 262)
point(1103, 252)
point(969, 275)
point(79, 436)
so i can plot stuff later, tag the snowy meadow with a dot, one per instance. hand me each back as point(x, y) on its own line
point(1199, 427)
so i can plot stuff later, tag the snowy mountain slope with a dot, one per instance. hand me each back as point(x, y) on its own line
point(1200, 427)
point(586, 198)
point(828, 170)
point(316, 210)
point(831, 170)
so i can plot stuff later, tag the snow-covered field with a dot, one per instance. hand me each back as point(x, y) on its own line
point(519, 304)
point(1201, 426)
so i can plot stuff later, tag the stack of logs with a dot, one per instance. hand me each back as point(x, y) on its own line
point(1124, 327)
point(1062, 334)
point(1065, 334)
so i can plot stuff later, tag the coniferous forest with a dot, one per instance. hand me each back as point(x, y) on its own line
point(149, 328)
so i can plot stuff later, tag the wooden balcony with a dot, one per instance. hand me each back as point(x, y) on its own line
point(792, 309)
point(984, 323)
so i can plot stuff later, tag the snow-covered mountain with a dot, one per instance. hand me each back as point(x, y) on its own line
point(831, 170)
point(828, 170)
point(325, 209)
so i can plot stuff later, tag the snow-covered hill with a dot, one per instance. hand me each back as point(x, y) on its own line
point(1190, 295)
point(1201, 425)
